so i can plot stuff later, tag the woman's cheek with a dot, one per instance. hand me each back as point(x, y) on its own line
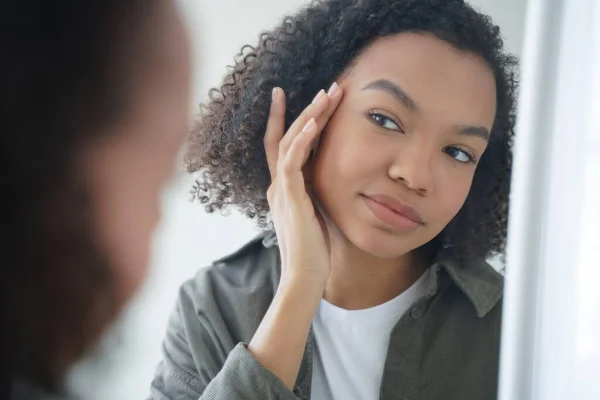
point(452, 197)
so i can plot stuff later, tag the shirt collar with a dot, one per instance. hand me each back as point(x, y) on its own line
point(478, 281)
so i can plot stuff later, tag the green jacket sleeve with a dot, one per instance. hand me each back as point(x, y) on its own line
point(201, 357)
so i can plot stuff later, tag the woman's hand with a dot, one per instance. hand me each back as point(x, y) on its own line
point(301, 232)
point(279, 341)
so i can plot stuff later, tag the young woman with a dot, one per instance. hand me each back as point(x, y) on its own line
point(387, 193)
point(93, 109)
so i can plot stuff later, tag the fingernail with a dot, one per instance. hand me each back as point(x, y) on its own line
point(309, 125)
point(274, 94)
point(318, 96)
point(333, 89)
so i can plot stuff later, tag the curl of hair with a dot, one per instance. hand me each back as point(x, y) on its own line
point(310, 50)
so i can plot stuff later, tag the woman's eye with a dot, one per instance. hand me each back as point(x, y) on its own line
point(384, 121)
point(460, 155)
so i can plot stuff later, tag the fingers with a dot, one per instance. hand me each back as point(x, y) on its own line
point(277, 142)
point(319, 105)
point(291, 164)
point(335, 95)
point(299, 149)
point(275, 130)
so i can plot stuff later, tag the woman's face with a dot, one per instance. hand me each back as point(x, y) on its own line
point(397, 159)
point(127, 171)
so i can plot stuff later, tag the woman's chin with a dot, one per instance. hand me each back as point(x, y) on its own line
point(380, 243)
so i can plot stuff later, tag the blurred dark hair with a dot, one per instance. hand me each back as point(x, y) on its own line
point(307, 52)
point(66, 78)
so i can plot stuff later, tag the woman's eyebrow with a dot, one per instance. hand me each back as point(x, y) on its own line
point(400, 95)
point(477, 131)
point(393, 89)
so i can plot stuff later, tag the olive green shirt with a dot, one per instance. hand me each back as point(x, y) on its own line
point(446, 346)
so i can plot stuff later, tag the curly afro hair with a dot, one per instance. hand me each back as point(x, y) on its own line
point(310, 50)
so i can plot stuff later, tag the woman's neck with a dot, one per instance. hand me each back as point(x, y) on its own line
point(359, 280)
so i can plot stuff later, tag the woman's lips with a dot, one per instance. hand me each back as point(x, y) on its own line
point(393, 212)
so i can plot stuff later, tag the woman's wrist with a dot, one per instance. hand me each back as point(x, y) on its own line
point(303, 290)
point(281, 337)
point(313, 281)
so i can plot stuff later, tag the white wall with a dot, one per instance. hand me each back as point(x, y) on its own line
point(188, 238)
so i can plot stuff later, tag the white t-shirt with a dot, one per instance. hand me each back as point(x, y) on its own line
point(351, 346)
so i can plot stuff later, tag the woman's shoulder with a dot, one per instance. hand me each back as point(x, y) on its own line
point(254, 263)
point(243, 281)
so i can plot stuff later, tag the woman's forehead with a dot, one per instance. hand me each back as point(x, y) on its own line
point(410, 55)
point(431, 72)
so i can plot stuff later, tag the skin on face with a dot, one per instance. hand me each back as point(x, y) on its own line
point(127, 170)
point(412, 123)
